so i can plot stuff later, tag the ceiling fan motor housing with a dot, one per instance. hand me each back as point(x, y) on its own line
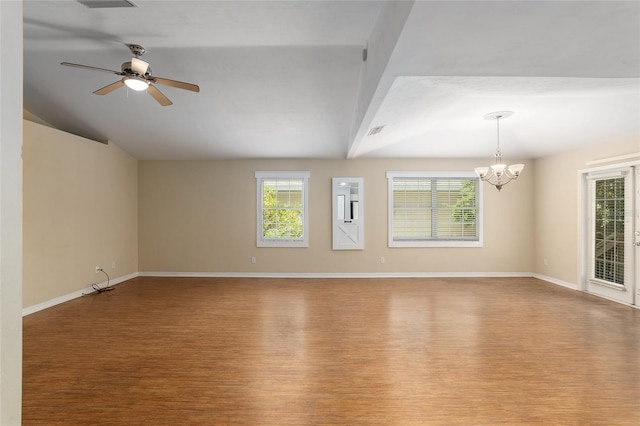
point(126, 69)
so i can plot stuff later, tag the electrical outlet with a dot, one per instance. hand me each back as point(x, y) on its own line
point(382, 260)
point(98, 269)
point(253, 260)
point(113, 265)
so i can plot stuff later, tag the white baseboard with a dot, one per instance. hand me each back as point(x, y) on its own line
point(58, 300)
point(335, 274)
point(573, 286)
point(552, 280)
point(49, 303)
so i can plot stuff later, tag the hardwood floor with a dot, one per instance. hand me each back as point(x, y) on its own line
point(175, 351)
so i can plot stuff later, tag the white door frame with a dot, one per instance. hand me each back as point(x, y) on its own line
point(636, 235)
point(584, 231)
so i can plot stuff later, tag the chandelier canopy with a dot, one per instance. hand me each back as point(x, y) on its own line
point(499, 174)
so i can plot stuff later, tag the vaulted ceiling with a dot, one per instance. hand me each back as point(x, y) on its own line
point(311, 79)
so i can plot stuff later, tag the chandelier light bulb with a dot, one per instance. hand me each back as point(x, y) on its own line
point(516, 169)
point(482, 171)
point(498, 169)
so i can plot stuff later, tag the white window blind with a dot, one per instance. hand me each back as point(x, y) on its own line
point(608, 194)
point(434, 209)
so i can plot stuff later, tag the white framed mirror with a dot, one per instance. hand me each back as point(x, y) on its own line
point(347, 217)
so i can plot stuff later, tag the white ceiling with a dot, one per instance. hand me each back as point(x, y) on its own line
point(286, 79)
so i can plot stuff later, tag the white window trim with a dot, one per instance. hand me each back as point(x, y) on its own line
point(435, 243)
point(260, 240)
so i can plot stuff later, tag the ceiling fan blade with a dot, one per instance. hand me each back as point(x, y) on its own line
point(87, 67)
point(158, 96)
point(178, 84)
point(139, 66)
point(109, 88)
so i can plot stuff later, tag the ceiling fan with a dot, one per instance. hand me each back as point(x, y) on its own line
point(136, 75)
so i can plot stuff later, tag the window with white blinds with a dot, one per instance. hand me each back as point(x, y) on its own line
point(434, 209)
point(282, 209)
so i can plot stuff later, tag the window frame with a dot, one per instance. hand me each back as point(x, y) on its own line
point(391, 175)
point(261, 241)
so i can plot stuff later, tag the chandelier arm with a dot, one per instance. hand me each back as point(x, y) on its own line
point(494, 180)
point(488, 176)
point(508, 174)
point(511, 175)
point(505, 182)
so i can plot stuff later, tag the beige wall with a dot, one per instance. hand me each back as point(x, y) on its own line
point(200, 216)
point(80, 203)
point(88, 204)
point(556, 206)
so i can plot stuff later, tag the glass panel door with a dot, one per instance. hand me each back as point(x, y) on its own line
point(611, 228)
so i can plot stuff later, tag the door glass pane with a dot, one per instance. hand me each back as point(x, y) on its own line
point(609, 230)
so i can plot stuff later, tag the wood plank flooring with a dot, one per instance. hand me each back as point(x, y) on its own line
point(178, 351)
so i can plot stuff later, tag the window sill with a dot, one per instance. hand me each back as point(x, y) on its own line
point(285, 243)
point(404, 244)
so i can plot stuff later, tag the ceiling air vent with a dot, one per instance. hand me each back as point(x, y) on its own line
point(102, 4)
point(375, 130)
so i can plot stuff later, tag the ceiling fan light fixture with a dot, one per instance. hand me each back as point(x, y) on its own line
point(135, 83)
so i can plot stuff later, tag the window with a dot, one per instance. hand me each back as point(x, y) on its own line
point(282, 219)
point(437, 209)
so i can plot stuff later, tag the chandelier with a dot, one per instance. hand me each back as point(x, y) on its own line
point(499, 174)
